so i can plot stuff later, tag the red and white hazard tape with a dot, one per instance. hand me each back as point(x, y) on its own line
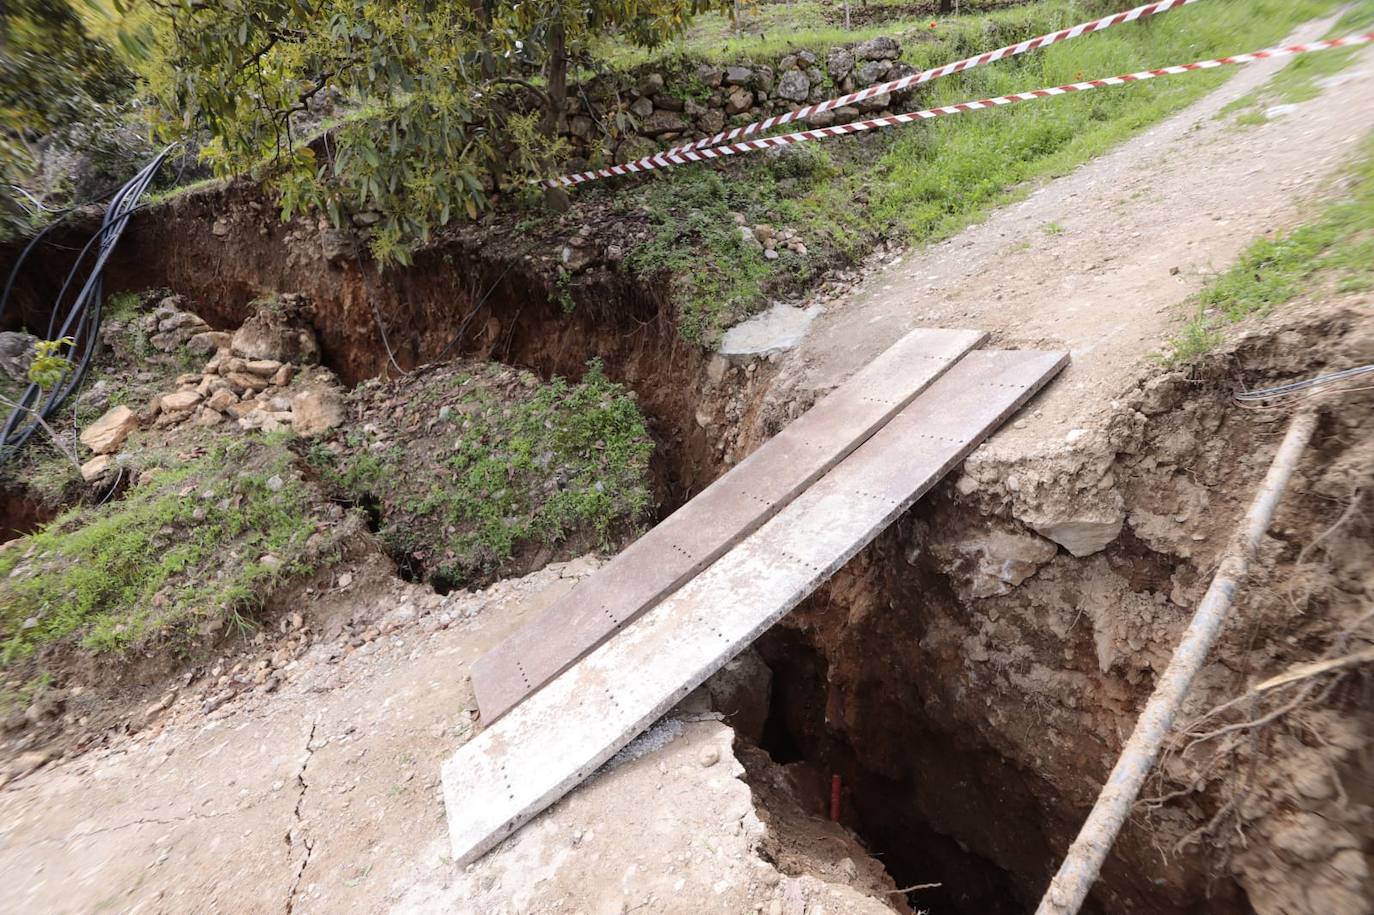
point(665, 160)
point(925, 76)
point(896, 85)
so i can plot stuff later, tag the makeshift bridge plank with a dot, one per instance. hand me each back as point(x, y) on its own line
point(706, 527)
point(561, 734)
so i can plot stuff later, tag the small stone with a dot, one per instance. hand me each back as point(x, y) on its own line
point(209, 342)
point(651, 84)
point(881, 48)
point(738, 76)
point(794, 86)
point(1312, 784)
point(180, 401)
point(96, 467)
point(222, 400)
point(711, 76)
point(243, 383)
point(770, 254)
point(205, 417)
point(275, 483)
point(642, 108)
point(1085, 535)
point(739, 100)
point(264, 367)
point(661, 122)
point(107, 434)
point(840, 63)
point(709, 757)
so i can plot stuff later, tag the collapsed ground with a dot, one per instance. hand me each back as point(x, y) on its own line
point(1017, 664)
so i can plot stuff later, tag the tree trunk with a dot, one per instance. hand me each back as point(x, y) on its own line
point(556, 110)
point(557, 88)
point(946, 6)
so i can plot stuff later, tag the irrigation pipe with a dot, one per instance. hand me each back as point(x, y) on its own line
point(1084, 860)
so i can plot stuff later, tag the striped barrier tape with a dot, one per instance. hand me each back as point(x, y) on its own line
point(925, 76)
point(821, 133)
point(896, 85)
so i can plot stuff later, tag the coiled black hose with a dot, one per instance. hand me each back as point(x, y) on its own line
point(80, 321)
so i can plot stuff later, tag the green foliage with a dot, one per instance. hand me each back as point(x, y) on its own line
point(53, 74)
point(193, 545)
point(1299, 80)
point(494, 463)
point(1338, 243)
point(48, 367)
point(440, 94)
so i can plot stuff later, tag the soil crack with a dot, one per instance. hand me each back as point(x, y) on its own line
point(296, 825)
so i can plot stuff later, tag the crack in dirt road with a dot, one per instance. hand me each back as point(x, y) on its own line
point(296, 819)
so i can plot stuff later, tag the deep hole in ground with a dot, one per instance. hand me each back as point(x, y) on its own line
point(935, 802)
point(458, 301)
point(910, 789)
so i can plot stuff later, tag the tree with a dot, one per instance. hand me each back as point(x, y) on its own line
point(53, 74)
point(447, 101)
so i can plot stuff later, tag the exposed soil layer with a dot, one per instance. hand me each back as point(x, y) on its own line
point(969, 680)
point(21, 513)
point(974, 707)
point(972, 675)
point(224, 248)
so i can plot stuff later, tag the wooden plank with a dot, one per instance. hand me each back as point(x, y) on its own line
point(561, 734)
point(706, 527)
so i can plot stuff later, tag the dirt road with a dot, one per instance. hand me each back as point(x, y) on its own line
point(1100, 261)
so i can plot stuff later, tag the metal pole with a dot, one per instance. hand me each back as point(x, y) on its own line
point(1084, 860)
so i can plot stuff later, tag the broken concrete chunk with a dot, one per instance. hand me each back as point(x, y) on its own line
point(108, 433)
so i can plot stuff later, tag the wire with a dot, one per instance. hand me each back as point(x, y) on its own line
point(82, 321)
point(1302, 388)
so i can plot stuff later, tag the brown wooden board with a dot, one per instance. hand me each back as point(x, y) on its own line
point(706, 527)
point(548, 744)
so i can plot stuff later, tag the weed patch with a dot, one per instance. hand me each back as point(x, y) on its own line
point(1339, 243)
point(468, 465)
point(194, 547)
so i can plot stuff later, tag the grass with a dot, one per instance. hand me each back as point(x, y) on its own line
point(1338, 243)
point(493, 462)
point(193, 547)
point(1300, 80)
point(921, 183)
point(770, 30)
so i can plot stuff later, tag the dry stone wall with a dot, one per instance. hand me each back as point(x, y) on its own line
point(620, 118)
